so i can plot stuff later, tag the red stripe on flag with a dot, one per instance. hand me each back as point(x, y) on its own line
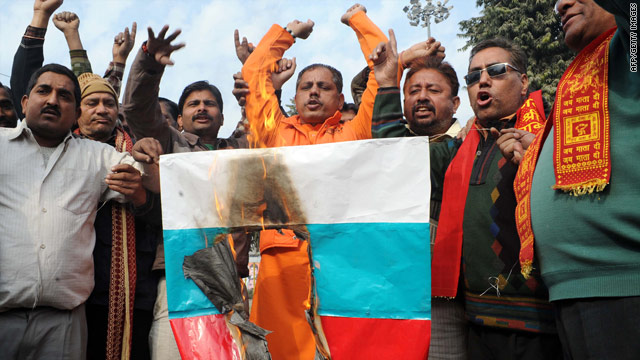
point(204, 337)
point(360, 338)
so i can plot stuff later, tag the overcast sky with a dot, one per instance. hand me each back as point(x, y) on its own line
point(207, 29)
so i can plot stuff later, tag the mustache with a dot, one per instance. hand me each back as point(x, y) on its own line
point(53, 108)
point(202, 116)
point(424, 103)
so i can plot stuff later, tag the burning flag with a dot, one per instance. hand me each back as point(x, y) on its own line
point(362, 205)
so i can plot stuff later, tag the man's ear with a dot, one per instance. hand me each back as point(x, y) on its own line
point(221, 119)
point(23, 102)
point(341, 96)
point(179, 120)
point(525, 85)
point(456, 103)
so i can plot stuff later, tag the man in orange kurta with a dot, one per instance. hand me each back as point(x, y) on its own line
point(283, 285)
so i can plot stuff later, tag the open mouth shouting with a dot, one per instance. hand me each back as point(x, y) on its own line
point(202, 118)
point(313, 104)
point(484, 98)
point(423, 110)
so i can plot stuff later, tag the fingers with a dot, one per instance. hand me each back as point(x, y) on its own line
point(150, 32)
point(173, 36)
point(124, 177)
point(134, 30)
point(147, 150)
point(236, 38)
point(293, 64)
point(392, 42)
point(240, 88)
point(495, 133)
point(377, 54)
point(283, 64)
point(163, 32)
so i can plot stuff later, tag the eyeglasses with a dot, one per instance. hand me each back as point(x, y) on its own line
point(493, 71)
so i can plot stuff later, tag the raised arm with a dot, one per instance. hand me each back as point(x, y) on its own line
point(369, 37)
point(262, 108)
point(69, 24)
point(122, 44)
point(29, 56)
point(140, 102)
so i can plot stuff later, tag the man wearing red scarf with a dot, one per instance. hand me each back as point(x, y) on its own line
point(577, 185)
point(476, 249)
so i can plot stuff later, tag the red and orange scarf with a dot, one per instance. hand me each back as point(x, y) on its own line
point(122, 283)
point(581, 157)
point(447, 251)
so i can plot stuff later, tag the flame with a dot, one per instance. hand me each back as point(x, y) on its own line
point(264, 168)
point(257, 133)
point(261, 210)
point(286, 208)
point(218, 205)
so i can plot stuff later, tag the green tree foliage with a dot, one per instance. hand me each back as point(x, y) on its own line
point(291, 107)
point(532, 25)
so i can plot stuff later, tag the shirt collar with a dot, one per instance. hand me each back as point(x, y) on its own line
point(23, 130)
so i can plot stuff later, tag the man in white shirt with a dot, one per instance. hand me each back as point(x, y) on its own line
point(51, 185)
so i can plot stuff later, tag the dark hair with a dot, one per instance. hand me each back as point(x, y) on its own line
point(58, 69)
point(173, 107)
point(349, 107)
point(442, 67)
point(199, 86)
point(518, 57)
point(8, 90)
point(336, 75)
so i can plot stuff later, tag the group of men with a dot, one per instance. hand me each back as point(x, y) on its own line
point(535, 235)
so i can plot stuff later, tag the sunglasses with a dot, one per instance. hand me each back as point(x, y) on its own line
point(493, 71)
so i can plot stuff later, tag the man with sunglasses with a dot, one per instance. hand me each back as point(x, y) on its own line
point(476, 249)
point(580, 184)
point(509, 316)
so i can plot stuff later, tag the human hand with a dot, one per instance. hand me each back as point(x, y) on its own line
point(240, 89)
point(127, 180)
point(244, 48)
point(46, 7)
point(465, 130)
point(160, 48)
point(42, 11)
point(300, 29)
point(513, 143)
point(147, 150)
point(285, 68)
point(66, 22)
point(123, 43)
point(423, 49)
point(352, 11)
point(385, 62)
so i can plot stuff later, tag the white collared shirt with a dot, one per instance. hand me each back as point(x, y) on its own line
point(46, 217)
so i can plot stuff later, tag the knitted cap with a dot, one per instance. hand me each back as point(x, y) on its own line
point(92, 83)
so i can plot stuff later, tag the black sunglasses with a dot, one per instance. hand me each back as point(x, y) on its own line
point(493, 71)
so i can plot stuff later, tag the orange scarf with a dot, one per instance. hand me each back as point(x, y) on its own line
point(581, 156)
point(447, 250)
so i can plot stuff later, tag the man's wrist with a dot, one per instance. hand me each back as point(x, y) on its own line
point(145, 49)
point(40, 20)
point(290, 33)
